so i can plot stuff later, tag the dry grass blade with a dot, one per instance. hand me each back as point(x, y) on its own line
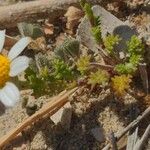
point(132, 139)
point(102, 66)
point(141, 143)
point(50, 108)
point(113, 141)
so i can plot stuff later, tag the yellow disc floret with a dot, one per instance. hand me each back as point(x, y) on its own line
point(4, 70)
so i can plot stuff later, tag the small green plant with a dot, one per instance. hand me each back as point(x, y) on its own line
point(135, 46)
point(100, 77)
point(83, 64)
point(61, 70)
point(50, 78)
point(135, 59)
point(35, 82)
point(120, 84)
point(96, 32)
point(89, 13)
point(110, 42)
point(82, 3)
point(126, 68)
point(44, 72)
point(66, 65)
point(94, 21)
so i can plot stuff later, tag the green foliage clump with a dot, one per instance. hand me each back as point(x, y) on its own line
point(120, 84)
point(89, 12)
point(96, 32)
point(94, 21)
point(99, 77)
point(44, 72)
point(135, 46)
point(110, 42)
point(34, 81)
point(82, 3)
point(97, 21)
point(50, 77)
point(61, 70)
point(83, 64)
point(135, 59)
point(126, 68)
point(135, 50)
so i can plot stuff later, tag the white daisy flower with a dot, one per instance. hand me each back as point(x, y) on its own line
point(11, 66)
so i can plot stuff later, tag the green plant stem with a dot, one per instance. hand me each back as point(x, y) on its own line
point(107, 58)
point(102, 66)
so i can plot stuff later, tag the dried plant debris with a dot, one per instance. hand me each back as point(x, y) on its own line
point(48, 28)
point(38, 45)
point(73, 16)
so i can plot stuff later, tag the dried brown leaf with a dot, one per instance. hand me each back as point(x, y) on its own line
point(38, 45)
point(73, 16)
point(48, 29)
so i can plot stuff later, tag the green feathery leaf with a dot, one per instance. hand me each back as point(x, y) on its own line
point(96, 32)
point(83, 64)
point(135, 46)
point(99, 77)
point(110, 42)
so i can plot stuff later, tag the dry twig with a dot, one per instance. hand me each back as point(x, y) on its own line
point(113, 141)
point(144, 76)
point(102, 66)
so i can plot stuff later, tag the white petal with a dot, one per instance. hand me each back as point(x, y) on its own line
point(9, 95)
point(18, 65)
point(18, 47)
point(2, 39)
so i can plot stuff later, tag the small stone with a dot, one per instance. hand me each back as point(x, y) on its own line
point(63, 116)
point(109, 24)
point(125, 32)
point(31, 109)
point(98, 134)
point(108, 21)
